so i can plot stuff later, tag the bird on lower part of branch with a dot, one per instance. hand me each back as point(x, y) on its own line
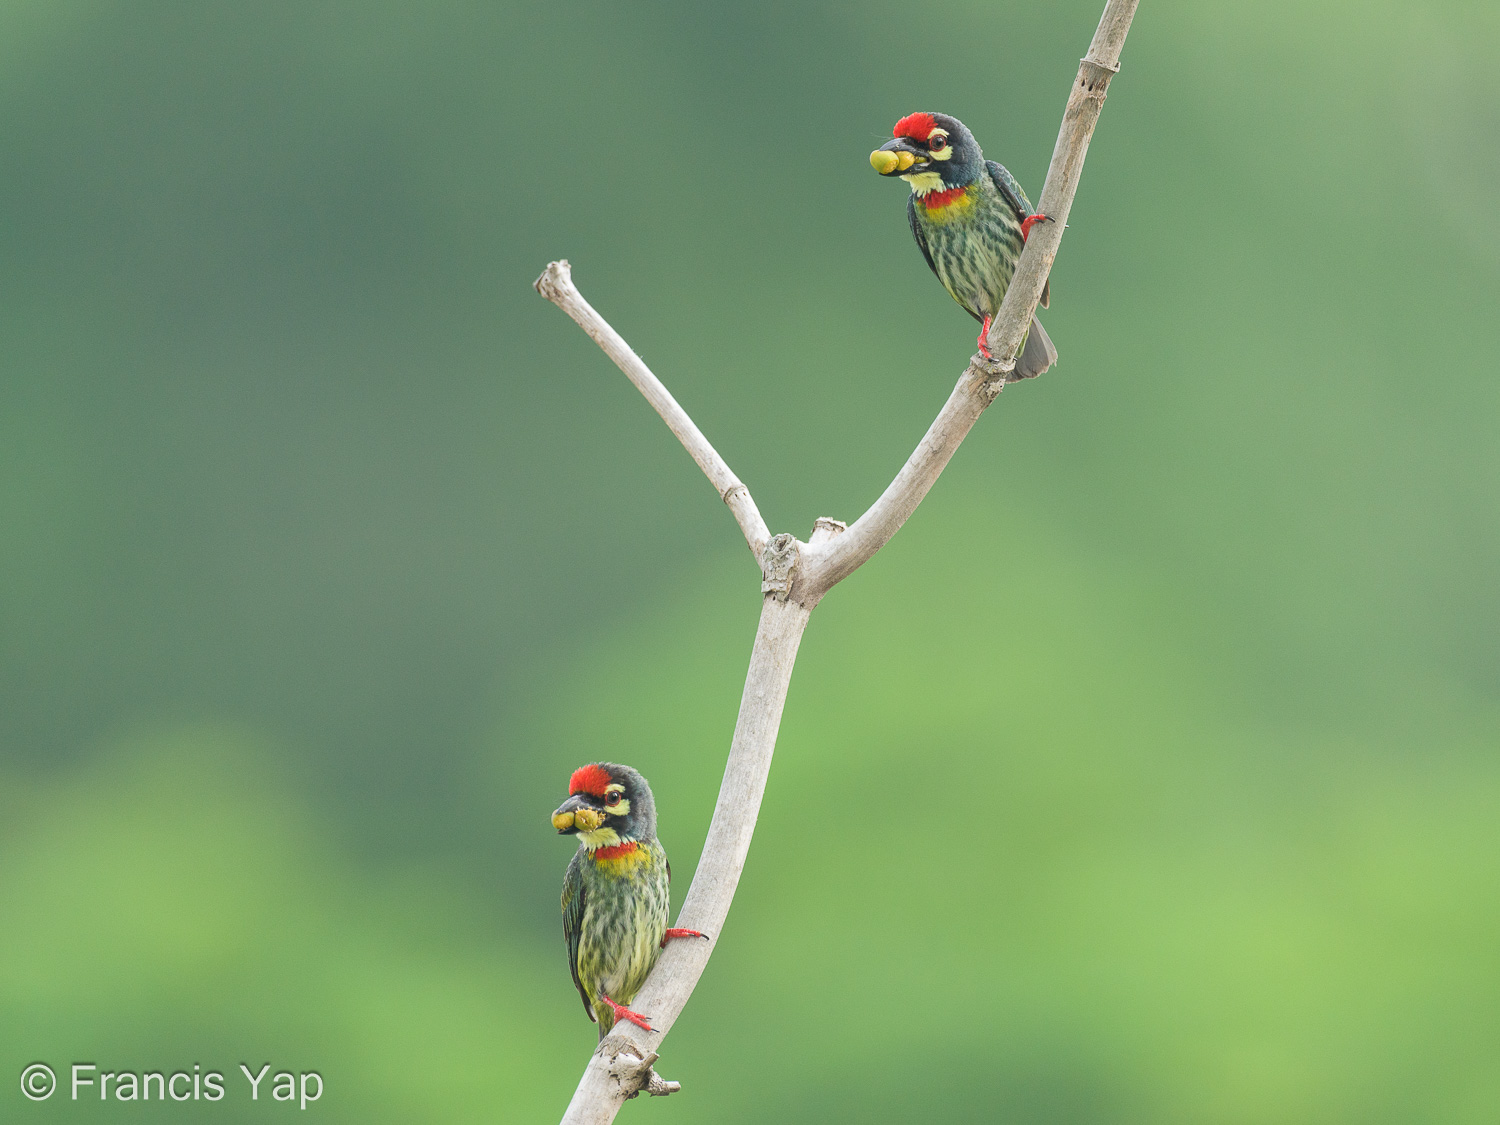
point(970, 218)
point(616, 894)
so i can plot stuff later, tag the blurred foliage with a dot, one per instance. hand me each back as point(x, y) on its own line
point(1149, 775)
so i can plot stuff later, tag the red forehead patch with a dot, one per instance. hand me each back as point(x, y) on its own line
point(590, 780)
point(915, 126)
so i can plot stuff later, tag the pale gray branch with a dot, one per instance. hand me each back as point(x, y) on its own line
point(795, 575)
point(556, 284)
point(602, 1089)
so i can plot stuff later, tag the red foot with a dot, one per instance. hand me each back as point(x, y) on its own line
point(984, 349)
point(1030, 221)
point(624, 1013)
point(667, 935)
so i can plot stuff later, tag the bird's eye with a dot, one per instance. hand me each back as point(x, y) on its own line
point(938, 143)
point(612, 800)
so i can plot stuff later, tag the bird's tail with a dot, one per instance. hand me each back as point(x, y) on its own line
point(1037, 354)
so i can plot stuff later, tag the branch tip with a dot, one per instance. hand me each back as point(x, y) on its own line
point(659, 1087)
point(825, 528)
point(555, 280)
point(556, 284)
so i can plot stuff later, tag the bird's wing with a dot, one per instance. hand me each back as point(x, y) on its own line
point(1015, 197)
point(574, 899)
point(916, 231)
point(1011, 190)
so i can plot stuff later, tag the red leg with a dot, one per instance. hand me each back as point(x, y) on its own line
point(984, 348)
point(1031, 221)
point(674, 932)
point(624, 1013)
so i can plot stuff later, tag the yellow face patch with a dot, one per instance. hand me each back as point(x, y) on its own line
point(923, 182)
point(597, 837)
point(615, 803)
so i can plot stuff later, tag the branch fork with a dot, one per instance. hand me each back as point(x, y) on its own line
point(795, 575)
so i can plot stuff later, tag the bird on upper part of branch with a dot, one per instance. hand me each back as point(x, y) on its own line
point(970, 218)
point(616, 894)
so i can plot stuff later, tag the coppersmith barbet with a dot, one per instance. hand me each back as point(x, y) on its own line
point(970, 218)
point(616, 894)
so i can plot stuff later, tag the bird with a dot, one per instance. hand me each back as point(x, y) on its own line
point(970, 218)
point(616, 893)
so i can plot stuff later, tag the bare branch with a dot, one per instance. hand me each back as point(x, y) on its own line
point(982, 381)
point(1084, 104)
point(824, 567)
point(602, 1089)
point(795, 575)
point(556, 284)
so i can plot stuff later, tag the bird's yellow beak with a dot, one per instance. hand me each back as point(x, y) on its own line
point(888, 162)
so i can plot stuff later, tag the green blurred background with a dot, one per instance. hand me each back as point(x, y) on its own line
point(1149, 775)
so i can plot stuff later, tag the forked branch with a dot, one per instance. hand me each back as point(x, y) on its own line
point(556, 284)
point(795, 576)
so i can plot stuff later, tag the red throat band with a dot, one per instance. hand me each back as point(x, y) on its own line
point(935, 199)
point(915, 126)
point(590, 780)
point(616, 851)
